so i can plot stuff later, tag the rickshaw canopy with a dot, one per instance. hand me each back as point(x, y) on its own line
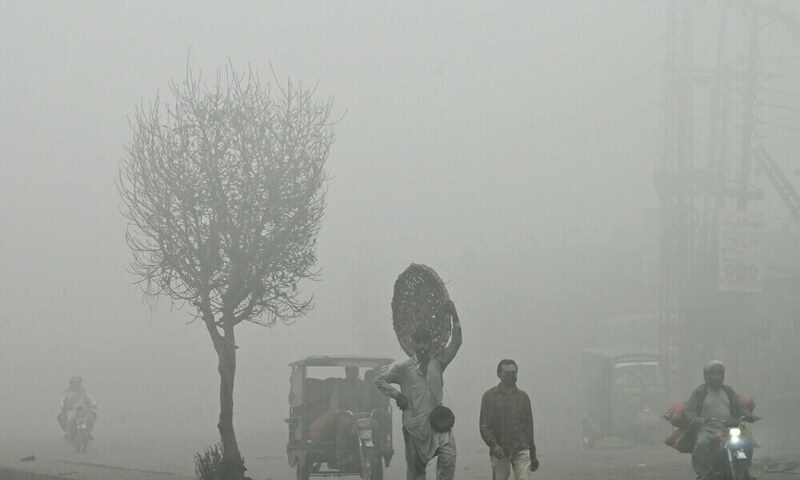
point(342, 361)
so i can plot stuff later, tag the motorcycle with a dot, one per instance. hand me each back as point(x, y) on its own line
point(79, 427)
point(731, 458)
point(371, 465)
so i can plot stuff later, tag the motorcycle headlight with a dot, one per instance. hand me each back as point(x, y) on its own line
point(735, 432)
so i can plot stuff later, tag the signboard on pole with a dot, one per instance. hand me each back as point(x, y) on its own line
point(741, 265)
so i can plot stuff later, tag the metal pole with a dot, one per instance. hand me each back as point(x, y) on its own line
point(748, 115)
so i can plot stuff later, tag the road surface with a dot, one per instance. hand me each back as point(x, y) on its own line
point(172, 458)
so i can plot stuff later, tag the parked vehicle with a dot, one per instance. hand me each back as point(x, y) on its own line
point(311, 389)
point(624, 393)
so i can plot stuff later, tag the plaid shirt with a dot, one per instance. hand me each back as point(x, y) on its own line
point(506, 420)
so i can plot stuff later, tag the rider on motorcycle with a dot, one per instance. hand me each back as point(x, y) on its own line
point(337, 421)
point(710, 407)
point(72, 397)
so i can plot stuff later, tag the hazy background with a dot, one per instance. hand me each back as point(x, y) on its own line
point(510, 146)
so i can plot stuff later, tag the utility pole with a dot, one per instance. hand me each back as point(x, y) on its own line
point(754, 11)
point(748, 113)
point(671, 181)
point(694, 192)
point(781, 183)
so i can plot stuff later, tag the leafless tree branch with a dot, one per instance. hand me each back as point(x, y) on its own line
point(223, 190)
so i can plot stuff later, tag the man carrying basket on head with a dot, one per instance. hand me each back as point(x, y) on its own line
point(427, 424)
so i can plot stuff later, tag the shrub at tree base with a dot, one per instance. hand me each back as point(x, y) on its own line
point(210, 465)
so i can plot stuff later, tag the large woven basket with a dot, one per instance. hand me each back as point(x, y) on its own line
point(418, 301)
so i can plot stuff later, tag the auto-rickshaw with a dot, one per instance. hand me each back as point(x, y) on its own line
point(314, 453)
point(625, 394)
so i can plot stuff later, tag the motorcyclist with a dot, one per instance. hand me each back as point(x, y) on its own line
point(347, 397)
point(73, 396)
point(711, 406)
point(337, 420)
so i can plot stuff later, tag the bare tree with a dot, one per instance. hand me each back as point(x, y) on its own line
point(224, 194)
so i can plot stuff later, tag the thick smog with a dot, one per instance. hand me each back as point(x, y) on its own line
point(273, 240)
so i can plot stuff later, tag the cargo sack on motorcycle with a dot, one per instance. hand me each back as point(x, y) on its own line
point(418, 301)
point(676, 415)
point(748, 402)
point(683, 439)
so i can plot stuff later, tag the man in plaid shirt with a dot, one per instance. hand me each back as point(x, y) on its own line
point(506, 424)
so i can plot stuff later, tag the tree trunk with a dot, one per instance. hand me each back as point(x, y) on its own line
point(234, 464)
point(225, 346)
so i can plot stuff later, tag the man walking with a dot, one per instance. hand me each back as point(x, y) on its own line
point(506, 425)
point(420, 380)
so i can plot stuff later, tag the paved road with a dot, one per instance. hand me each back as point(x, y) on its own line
point(171, 459)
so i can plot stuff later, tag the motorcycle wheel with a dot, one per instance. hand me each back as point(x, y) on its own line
point(80, 443)
point(376, 472)
point(740, 470)
point(373, 469)
point(371, 463)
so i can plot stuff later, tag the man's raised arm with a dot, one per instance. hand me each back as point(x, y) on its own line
point(450, 351)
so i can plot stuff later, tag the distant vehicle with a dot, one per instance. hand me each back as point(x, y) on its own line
point(311, 389)
point(624, 394)
point(79, 428)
